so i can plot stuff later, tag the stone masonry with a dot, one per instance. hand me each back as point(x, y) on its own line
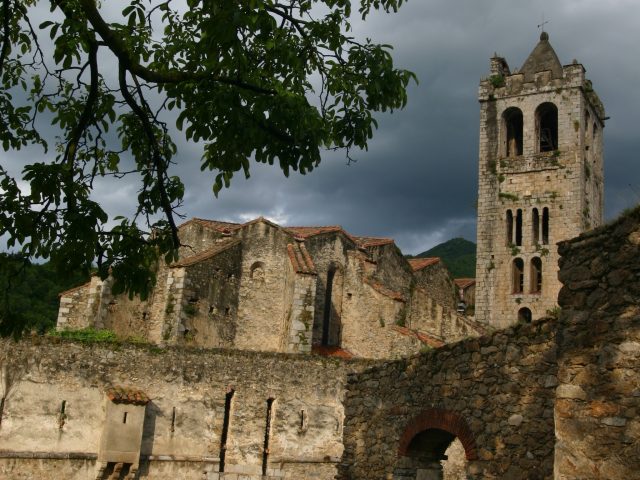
point(260, 286)
point(548, 399)
point(540, 181)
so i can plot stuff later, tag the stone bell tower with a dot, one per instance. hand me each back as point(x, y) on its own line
point(540, 180)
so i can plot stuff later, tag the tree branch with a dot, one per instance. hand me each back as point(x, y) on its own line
point(119, 48)
point(156, 156)
point(6, 31)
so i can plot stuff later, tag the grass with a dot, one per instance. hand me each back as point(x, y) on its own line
point(86, 335)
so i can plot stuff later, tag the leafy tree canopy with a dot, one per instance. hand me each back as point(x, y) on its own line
point(276, 81)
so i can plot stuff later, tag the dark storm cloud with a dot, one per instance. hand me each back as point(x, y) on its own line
point(418, 181)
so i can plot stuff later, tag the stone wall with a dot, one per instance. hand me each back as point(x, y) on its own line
point(437, 281)
point(495, 393)
point(208, 312)
point(263, 315)
point(184, 420)
point(598, 399)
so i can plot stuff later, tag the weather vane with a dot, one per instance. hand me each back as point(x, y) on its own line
point(544, 22)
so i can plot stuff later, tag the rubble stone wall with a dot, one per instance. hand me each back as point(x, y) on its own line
point(598, 399)
point(501, 386)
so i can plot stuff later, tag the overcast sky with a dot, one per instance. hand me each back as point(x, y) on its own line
point(418, 181)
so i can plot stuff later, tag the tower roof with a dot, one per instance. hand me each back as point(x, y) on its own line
point(543, 57)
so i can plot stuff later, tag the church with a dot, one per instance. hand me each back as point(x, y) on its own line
point(272, 352)
point(260, 286)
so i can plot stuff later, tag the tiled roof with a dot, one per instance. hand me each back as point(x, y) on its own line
point(464, 282)
point(328, 351)
point(73, 290)
point(423, 337)
point(387, 292)
point(222, 227)
point(300, 259)
point(306, 232)
point(127, 395)
point(211, 252)
point(299, 233)
point(420, 263)
point(373, 241)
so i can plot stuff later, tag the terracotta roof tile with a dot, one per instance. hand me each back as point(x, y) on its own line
point(127, 395)
point(387, 292)
point(420, 263)
point(464, 282)
point(300, 259)
point(366, 242)
point(423, 337)
point(306, 232)
point(329, 351)
point(222, 227)
point(211, 252)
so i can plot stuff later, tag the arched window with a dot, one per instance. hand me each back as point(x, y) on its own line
point(547, 127)
point(536, 275)
point(535, 226)
point(524, 315)
point(257, 272)
point(545, 226)
point(512, 137)
point(509, 227)
point(518, 275)
point(518, 238)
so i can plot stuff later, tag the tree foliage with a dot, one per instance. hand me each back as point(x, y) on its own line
point(272, 81)
point(29, 293)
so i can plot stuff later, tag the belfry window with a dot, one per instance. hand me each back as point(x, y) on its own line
point(518, 239)
point(545, 226)
point(536, 275)
point(535, 226)
point(512, 122)
point(518, 275)
point(547, 127)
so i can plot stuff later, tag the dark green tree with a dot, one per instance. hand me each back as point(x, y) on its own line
point(273, 81)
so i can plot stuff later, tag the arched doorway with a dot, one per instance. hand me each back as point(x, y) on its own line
point(429, 447)
point(524, 315)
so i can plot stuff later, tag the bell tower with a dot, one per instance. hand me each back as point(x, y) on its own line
point(540, 180)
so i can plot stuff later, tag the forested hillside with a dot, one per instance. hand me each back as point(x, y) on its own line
point(29, 294)
point(458, 254)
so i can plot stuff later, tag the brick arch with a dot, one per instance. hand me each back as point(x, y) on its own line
point(444, 420)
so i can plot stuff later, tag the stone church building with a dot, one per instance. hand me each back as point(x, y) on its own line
point(224, 380)
point(260, 286)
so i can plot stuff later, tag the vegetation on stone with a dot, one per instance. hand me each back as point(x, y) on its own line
point(89, 335)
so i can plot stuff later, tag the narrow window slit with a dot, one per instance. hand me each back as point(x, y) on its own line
point(545, 226)
point(173, 420)
point(509, 227)
point(535, 226)
point(1, 409)
point(225, 427)
point(124, 417)
point(267, 434)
